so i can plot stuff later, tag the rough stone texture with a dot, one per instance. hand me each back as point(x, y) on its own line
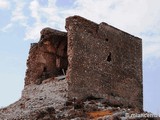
point(104, 62)
point(48, 57)
point(103, 67)
point(88, 109)
point(35, 99)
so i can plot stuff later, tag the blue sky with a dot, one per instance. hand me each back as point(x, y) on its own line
point(22, 20)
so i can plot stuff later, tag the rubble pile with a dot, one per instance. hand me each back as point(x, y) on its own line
point(90, 108)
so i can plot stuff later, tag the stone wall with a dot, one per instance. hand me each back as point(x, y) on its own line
point(104, 62)
point(48, 57)
point(100, 61)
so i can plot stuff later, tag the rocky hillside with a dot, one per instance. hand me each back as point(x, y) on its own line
point(48, 101)
point(35, 99)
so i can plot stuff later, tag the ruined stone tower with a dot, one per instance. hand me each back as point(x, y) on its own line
point(96, 59)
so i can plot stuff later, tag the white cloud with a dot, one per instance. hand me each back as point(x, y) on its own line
point(4, 29)
point(4, 4)
point(133, 16)
point(33, 33)
point(17, 14)
point(34, 8)
point(40, 13)
point(151, 47)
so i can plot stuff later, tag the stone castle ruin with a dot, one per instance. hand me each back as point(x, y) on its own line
point(96, 60)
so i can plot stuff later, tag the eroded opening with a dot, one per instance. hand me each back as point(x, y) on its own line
point(109, 58)
point(61, 58)
point(56, 55)
point(106, 39)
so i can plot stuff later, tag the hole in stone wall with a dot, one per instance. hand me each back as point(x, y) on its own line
point(44, 69)
point(57, 65)
point(44, 73)
point(106, 39)
point(61, 58)
point(109, 57)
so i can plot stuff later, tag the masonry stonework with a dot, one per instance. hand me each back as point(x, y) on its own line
point(98, 59)
point(48, 57)
point(104, 62)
